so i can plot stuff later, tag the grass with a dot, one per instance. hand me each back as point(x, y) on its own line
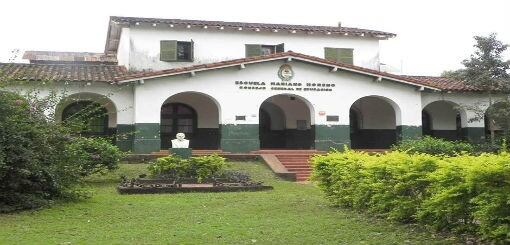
point(292, 213)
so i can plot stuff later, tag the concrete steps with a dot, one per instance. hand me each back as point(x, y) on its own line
point(295, 161)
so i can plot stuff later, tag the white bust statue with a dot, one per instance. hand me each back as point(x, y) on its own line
point(180, 141)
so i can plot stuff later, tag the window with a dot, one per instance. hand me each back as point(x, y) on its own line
point(177, 118)
point(92, 115)
point(332, 118)
point(260, 49)
point(342, 55)
point(172, 50)
point(302, 124)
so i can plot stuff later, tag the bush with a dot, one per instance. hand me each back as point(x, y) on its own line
point(41, 160)
point(462, 193)
point(196, 167)
point(434, 146)
point(93, 155)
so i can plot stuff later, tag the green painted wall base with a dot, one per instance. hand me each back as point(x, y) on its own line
point(125, 136)
point(332, 137)
point(181, 152)
point(146, 138)
point(241, 138)
point(474, 134)
point(406, 132)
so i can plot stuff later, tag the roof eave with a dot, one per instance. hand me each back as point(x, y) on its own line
point(382, 76)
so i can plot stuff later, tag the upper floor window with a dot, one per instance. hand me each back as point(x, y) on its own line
point(173, 50)
point(262, 49)
point(342, 55)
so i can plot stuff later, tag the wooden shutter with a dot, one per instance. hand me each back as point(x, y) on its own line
point(168, 50)
point(192, 51)
point(253, 50)
point(280, 48)
point(330, 54)
point(345, 55)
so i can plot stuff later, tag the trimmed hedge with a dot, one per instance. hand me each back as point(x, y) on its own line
point(464, 193)
point(434, 146)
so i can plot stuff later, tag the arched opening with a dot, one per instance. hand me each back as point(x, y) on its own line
point(90, 114)
point(443, 119)
point(373, 123)
point(285, 122)
point(496, 115)
point(96, 114)
point(196, 115)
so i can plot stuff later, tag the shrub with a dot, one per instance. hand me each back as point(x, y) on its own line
point(41, 160)
point(434, 146)
point(93, 155)
point(196, 167)
point(463, 193)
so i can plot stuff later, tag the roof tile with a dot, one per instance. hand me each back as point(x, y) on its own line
point(61, 72)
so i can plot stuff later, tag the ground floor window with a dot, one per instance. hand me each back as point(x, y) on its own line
point(91, 115)
point(177, 118)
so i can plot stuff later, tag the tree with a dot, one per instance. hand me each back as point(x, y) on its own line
point(486, 70)
point(42, 160)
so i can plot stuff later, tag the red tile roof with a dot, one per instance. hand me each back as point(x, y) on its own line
point(445, 83)
point(48, 57)
point(60, 72)
point(117, 22)
point(119, 74)
point(276, 56)
point(247, 25)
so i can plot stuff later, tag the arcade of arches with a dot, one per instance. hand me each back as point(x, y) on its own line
point(286, 121)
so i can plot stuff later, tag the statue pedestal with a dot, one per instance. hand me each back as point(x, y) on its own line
point(184, 153)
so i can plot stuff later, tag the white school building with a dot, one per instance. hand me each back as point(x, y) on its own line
point(240, 87)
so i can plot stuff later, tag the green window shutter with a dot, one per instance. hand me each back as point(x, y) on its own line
point(168, 50)
point(330, 54)
point(342, 55)
point(192, 51)
point(280, 48)
point(345, 55)
point(253, 50)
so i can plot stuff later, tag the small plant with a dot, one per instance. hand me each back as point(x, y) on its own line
point(196, 167)
point(434, 146)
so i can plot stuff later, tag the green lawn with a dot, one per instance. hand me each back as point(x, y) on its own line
point(292, 213)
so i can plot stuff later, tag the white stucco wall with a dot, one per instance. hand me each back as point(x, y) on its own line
point(470, 104)
point(120, 96)
point(213, 45)
point(206, 109)
point(293, 110)
point(124, 47)
point(375, 113)
point(443, 115)
point(220, 84)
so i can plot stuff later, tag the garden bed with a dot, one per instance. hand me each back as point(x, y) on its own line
point(154, 186)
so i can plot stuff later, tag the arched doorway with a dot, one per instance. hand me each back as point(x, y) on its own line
point(89, 114)
point(496, 114)
point(285, 122)
point(443, 119)
point(195, 114)
point(373, 123)
point(96, 113)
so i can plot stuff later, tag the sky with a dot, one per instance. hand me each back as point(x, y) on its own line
point(432, 35)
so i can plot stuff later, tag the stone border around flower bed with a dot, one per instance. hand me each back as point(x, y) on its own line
point(184, 189)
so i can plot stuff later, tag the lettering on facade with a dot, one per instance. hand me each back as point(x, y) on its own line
point(286, 86)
